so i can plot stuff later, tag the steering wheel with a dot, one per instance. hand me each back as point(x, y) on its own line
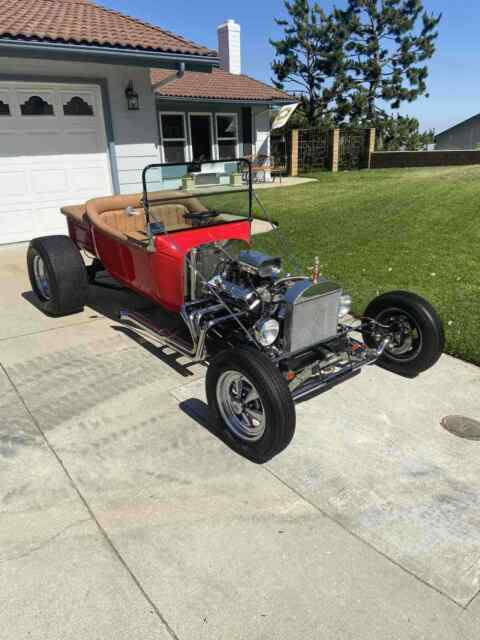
point(201, 216)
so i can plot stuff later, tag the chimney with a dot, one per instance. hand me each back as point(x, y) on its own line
point(229, 47)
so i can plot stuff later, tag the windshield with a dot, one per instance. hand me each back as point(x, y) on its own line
point(177, 197)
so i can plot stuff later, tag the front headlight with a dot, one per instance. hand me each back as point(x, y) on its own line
point(266, 332)
point(344, 305)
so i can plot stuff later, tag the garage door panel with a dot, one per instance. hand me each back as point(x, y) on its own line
point(50, 181)
point(13, 183)
point(49, 220)
point(79, 104)
point(44, 144)
point(83, 141)
point(53, 151)
point(10, 145)
point(79, 180)
point(16, 223)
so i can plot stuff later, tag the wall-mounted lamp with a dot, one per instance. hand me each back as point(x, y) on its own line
point(133, 102)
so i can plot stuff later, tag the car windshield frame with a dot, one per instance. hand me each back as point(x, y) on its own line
point(151, 198)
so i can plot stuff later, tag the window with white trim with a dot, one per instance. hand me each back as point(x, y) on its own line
point(173, 132)
point(227, 135)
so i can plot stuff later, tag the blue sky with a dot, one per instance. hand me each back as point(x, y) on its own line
point(454, 82)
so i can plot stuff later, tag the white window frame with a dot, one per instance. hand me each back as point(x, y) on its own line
point(218, 139)
point(186, 146)
point(209, 115)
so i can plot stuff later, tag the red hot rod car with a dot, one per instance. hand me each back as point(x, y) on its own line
point(270, 337)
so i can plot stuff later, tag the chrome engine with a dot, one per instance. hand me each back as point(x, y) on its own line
point(287, 314)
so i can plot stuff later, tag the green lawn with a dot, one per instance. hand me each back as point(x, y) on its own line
point(415, 229)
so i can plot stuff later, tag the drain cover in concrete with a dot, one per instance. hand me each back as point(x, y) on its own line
point(462, 427)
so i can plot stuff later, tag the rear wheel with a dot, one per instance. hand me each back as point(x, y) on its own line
point(58, 275)
point(414, 328)
point(250, 403)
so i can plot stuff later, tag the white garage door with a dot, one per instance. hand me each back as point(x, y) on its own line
point(53, 151)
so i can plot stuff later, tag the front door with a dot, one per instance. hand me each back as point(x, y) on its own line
point(201, 135)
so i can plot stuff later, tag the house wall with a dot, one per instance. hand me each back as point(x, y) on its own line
point(261, 130)
point(135, 133)
point(464, 136)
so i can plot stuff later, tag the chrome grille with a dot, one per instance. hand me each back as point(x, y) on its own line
point(312, 315)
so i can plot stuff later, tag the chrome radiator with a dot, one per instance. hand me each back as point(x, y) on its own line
point(311, 314)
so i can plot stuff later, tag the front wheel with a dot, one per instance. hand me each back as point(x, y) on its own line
point(250, 403)
point(414, 329)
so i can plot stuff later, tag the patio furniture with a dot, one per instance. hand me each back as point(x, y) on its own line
point(263, 165)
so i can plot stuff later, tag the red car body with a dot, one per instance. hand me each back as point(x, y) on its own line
point(159, 274)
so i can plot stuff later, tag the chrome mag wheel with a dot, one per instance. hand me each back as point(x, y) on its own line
point(41, 277)
point(406, 336)
point(240, 406)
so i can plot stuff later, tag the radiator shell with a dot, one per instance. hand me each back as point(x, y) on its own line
point(311, 314)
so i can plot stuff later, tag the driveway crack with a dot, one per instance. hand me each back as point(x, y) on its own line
point(46, 542)
point(365, 542)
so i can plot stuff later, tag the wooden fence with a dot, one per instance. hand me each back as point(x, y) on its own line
point(330, 149)
point(305, 150)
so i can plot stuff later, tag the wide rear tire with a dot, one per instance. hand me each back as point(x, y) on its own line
point(251, 406)
point(411, 351)
point(58, 275)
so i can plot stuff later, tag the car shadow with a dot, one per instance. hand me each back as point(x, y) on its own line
point(170, 359)
point(198, 411)
point(107, 297)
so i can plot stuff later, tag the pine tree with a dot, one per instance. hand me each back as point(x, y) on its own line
point(308, 56)
point(402, 133)
point(388, 44)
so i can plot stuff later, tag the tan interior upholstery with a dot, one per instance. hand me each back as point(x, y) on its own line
point(109, 215)
point(171, 215)
point(120, 221)
point(78, 212)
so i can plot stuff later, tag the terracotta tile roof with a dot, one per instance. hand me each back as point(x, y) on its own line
point(83, 22)
point(217, 84)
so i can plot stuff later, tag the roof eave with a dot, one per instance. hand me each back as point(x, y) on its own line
point(243, 101)
point(104, 54)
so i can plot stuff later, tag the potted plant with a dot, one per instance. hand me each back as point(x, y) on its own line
point(236, 179)
point(188, 182)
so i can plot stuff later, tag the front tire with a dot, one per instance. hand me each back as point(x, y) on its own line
point(250, 404)
point(416, 331)
point(58, 275)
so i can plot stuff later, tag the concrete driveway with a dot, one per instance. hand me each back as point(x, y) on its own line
point(123, 517)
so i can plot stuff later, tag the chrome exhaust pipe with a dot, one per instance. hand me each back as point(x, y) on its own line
point(157, 333)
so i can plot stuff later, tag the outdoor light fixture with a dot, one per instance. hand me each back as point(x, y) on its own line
point(133, 102)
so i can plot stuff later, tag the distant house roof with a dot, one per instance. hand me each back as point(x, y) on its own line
point(460, 124)
point(216, 85)
point(82, 22)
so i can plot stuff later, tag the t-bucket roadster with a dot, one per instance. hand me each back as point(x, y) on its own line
point(270, 337)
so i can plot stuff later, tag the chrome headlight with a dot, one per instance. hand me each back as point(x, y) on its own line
point(344, 305)
point(266, 332)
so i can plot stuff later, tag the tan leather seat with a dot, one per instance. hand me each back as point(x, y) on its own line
point(171, 215)
point(126, 223)
point(109, 215)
